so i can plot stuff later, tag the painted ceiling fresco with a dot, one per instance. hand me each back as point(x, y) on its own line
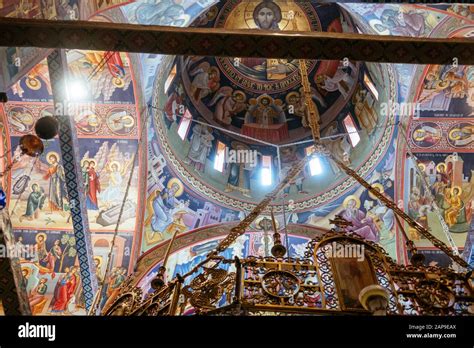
point(232, 101)
point(107, 124)
point(182, 192)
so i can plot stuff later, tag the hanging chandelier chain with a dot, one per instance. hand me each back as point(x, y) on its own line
point(321, 149)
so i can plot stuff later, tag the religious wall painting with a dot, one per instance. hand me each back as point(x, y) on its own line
point(182, 261)
point(447, 91)
point(105, 120)
point(50, 268)
point(436, 135)
point(398, 20)
point(120, 122)
point(461, 10)
point(120, 263)
point(181, 145)
point(172, 209)
point(370, 218)
point(50, 271)
point(56, 10)
point(165, 12)
point(461, 135)
point(22, 116)
point(436, 257)
point(106, 166)
point(106, 77)
point(426, 134)
point(247, 95)
point(34, 84)
point(38, 196)
point(451, 184)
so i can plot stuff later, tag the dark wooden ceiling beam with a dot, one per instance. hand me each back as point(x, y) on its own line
point(233, 43)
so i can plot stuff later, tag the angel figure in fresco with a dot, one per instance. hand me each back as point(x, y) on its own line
point(205, 82)
point(361, 224)
point(57, 183)
point(114, 191)
point(228, 103)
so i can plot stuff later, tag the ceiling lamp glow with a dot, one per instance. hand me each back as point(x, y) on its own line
point(77, 90)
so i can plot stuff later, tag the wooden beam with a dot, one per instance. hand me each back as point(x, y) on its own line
point(233, 43)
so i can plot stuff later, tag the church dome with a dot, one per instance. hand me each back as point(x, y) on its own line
point(249, 116)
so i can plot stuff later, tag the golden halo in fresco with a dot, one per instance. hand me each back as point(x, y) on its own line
point(84, 160)
point(419, 134)
point(26, 270)
point(379, 187)
point(33, 83)
point(120, 121)
point(88, 122)
point(458, 188)
point(118, 82)
point(117, 163)
point(99, 260)
point(177, 182)
point(439, 166)
point(422, 167)
point(349, 198)
point(21, 119)
point(42, 234)
point(454, 134)
point(52, 153)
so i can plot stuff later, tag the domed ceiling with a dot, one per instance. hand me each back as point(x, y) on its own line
point(258, 106)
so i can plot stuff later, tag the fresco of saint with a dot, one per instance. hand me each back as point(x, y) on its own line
point(93, 187)
point(35, 203)
point(57, 182)
point(361, 224)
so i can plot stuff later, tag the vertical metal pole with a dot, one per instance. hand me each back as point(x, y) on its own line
point(69, 145)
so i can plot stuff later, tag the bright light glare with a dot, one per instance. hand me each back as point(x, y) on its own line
point(315, 166)
point(220, 156)
point(266, 176)
point(77, 90)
